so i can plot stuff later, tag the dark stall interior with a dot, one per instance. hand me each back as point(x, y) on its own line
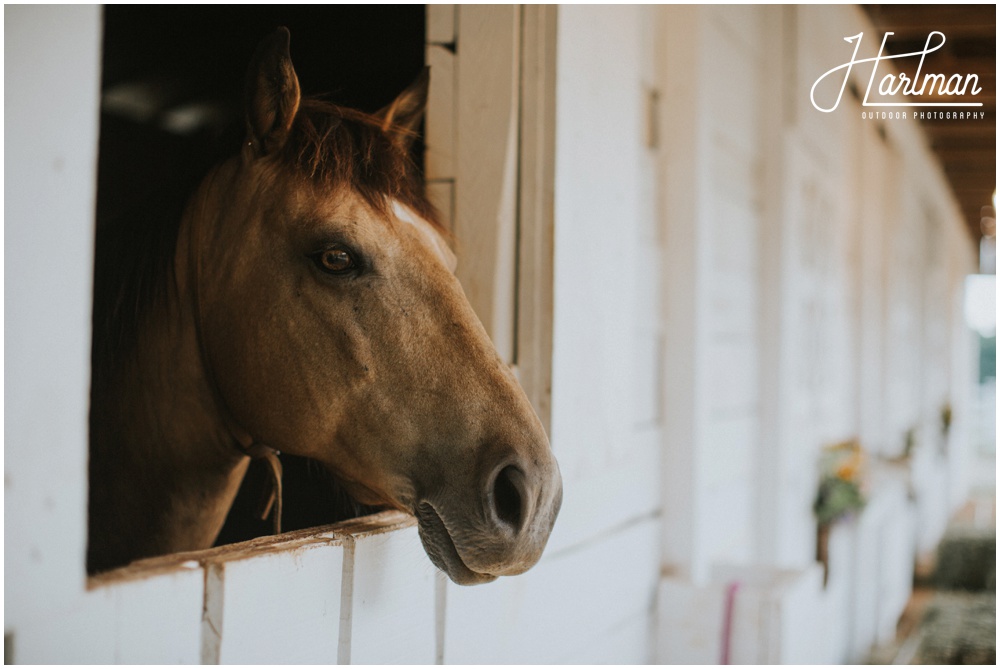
point(172, 89)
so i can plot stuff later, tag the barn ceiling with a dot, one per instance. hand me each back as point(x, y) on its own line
point(967, 150)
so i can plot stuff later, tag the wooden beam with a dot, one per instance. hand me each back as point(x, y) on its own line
point(962, 31)
point(955, 18)
point(979, 196)
point(984, 141)
point(958, 129)
point(967, 153)
point(973, 181)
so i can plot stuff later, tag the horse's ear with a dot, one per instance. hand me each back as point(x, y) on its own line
point(402, 117)
point(272, 94)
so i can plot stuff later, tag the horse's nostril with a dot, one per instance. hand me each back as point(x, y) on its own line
point(507, 496)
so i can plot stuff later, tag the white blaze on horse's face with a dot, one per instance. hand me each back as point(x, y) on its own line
point(432, 236)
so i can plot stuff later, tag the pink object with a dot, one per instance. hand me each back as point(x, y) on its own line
point(727, 621)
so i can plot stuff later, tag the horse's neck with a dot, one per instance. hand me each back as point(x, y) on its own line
point(164, 467)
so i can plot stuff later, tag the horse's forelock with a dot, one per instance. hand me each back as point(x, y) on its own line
point(337, 146)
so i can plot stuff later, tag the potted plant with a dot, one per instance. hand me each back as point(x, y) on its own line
point(840, 493)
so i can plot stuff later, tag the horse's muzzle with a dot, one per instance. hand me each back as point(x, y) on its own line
point(504, 534)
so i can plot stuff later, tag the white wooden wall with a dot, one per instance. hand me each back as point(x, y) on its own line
point(317, 596)
point(811, 293)
point(800, 239)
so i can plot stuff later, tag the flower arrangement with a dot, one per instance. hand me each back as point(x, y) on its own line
point(840, 493)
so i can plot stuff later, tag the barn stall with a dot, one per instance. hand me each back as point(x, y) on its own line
point(700, 281)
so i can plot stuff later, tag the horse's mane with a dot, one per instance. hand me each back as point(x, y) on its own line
point(330, 145)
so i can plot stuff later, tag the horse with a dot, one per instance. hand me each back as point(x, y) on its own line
point(306, 303)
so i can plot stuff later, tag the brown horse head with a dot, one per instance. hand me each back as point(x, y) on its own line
point(332, 326)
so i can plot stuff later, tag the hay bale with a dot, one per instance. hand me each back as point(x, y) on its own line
point(959, 628)
point(966, 560)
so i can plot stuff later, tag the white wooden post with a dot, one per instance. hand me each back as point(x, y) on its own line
point(486, 163)
point(439, 133)
point(683, 175)
point(536, 215)
point(779, 46)
point(52, 75)
point(873, 167)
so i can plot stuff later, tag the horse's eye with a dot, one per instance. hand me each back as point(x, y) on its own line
point(335, 261)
